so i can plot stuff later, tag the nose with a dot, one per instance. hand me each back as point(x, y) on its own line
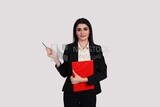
point(82, 32)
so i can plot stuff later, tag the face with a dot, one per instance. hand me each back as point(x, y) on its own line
point(82, 32)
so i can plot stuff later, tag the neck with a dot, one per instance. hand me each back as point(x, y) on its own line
point(83, 43)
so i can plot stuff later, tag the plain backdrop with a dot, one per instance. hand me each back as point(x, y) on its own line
point(128, 31)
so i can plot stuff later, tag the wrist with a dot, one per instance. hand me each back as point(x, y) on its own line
point(55, 60)
point(84, 79)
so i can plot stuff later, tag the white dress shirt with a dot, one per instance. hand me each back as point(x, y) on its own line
point(83, 54)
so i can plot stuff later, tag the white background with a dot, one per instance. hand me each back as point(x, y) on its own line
point(128, 30)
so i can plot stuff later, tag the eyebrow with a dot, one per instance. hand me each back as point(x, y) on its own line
point(82, 28)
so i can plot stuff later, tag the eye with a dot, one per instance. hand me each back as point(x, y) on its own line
point(85, 29)
point(78, 29)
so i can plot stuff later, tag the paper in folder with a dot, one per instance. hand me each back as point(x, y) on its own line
point(83, 69)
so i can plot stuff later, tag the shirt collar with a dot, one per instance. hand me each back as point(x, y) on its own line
point(79, 46)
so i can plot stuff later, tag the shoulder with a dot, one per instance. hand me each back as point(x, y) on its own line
point(69, 45)
point(96, 48)
point(95, 45)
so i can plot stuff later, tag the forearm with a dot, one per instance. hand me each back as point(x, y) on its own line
point(57, 62)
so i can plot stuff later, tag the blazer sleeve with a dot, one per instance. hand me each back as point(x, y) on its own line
point(63, 68)
point(101, 67)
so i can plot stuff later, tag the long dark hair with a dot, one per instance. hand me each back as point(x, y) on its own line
point(82, 21)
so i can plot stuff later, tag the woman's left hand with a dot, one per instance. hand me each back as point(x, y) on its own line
point(77, 79)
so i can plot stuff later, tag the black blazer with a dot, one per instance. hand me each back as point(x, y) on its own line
point(100, 68)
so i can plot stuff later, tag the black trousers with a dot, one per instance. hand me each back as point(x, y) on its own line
point(79, 100)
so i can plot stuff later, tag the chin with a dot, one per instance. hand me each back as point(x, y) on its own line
point(82, 39)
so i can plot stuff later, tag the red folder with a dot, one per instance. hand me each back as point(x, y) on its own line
point(83, 69)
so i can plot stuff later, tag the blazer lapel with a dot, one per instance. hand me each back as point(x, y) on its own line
point(91, 49)
point(75, 52)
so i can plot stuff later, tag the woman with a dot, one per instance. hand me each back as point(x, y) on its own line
point(82, 49)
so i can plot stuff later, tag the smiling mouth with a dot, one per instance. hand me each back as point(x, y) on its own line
point(82, 36)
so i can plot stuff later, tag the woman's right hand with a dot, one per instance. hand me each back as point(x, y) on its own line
point(52, 54)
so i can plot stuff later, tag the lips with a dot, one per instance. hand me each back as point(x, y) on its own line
point(82, 36)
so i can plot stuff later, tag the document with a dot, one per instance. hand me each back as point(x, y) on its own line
point(83, 69)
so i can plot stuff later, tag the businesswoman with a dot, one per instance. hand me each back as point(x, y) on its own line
point(82, 49)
